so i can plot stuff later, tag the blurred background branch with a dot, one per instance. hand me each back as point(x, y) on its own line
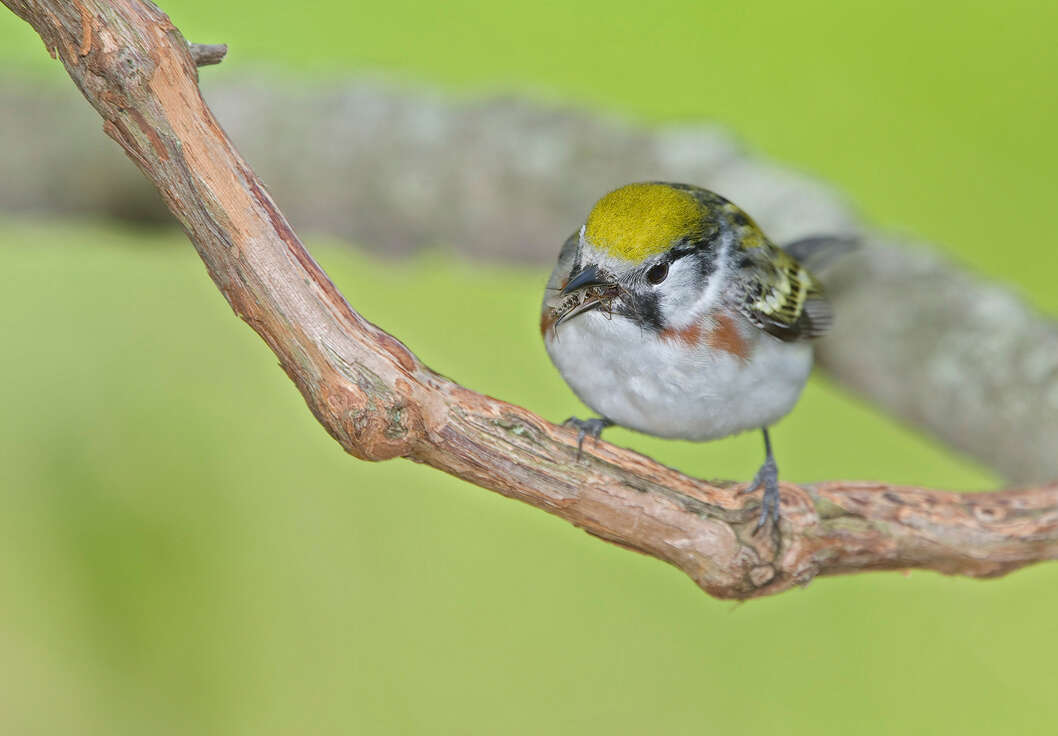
point(948, 351)
point(400, 170)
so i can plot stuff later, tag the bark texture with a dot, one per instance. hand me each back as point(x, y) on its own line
point(379, 401)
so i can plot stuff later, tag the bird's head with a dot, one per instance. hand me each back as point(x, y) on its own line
point(656, 253)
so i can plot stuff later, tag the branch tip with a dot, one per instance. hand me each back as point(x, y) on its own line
point(207, 54)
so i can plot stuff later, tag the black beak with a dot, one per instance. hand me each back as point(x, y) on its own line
point(587, 276)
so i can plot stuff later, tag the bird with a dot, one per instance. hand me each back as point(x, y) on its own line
point(669, 312)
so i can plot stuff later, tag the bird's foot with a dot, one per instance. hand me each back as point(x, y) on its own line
point(768, 479)
point(587, 428)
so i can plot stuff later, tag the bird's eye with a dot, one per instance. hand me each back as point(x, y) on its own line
point(657, 273)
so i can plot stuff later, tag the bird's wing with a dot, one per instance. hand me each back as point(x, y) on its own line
point(780, 296)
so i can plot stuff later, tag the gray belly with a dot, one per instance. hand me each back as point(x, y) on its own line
point(668, 389)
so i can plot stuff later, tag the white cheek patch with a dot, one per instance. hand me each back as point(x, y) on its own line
point(679, 293)
point(687, 297)
point(710, 295)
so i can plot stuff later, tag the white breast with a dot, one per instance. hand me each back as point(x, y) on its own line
point(666, 388)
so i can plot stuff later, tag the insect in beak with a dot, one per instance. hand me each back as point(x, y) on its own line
point(586, 290)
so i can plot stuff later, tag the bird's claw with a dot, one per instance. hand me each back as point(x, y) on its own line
point(768, 479)
point(587, 428)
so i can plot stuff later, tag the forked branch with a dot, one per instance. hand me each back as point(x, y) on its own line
point(379, 401)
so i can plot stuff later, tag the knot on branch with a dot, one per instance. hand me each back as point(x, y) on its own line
point(378, 429)
point(370, 418)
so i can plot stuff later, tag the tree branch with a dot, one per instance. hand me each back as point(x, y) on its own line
point(379, 401)
point(206, 54)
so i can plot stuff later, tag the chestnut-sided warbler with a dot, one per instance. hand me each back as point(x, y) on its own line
point(669, 312)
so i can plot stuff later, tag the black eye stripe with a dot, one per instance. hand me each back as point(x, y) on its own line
point(680, 251)
point(705, 252)
point(689, 247)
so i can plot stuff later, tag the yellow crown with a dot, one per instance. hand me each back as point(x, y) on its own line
point(641, 220)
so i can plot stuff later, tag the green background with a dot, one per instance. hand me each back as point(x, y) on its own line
point(182, 548)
